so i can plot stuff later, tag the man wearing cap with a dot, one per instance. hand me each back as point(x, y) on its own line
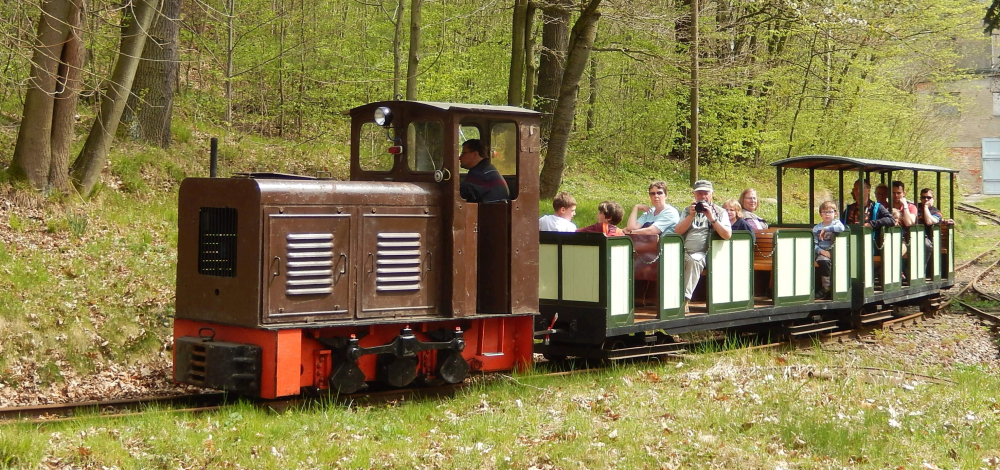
point(696, 225)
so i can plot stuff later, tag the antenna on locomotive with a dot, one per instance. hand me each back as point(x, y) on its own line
point(213, 165)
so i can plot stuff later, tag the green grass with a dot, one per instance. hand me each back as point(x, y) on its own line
point(744, 410)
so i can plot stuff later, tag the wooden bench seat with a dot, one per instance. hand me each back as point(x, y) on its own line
point(763, 250)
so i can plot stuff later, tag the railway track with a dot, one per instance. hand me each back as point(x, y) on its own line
point(213, 401)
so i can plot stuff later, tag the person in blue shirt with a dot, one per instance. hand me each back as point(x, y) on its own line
point(657, 218)
point(824, 233)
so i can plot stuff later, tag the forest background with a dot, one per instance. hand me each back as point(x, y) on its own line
point(106, 106)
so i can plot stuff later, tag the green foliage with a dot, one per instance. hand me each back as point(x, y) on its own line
point(15, 222)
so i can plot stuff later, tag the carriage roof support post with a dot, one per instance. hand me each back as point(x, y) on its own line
point(779, 195)
point(812, 196)
point(951, 195)
point(841, 200)
point(916, 185)
point(938, 191)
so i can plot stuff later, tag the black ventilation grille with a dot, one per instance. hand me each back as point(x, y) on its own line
point(217, 242)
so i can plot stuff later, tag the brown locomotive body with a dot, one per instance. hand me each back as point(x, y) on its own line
point(286, 282)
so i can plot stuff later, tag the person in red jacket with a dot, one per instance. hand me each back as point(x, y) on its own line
point(609, 215)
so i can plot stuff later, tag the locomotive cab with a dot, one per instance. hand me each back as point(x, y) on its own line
point(289, 281)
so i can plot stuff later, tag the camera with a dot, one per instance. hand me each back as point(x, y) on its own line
point(701, 207)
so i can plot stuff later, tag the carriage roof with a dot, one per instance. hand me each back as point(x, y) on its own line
point(445, 107)
point(834, 162)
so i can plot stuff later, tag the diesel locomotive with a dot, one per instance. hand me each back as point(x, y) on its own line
point(288, 282)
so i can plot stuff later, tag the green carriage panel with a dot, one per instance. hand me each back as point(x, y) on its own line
point(671, 272)
point(863, 267)
point(841, 268)
point(794, 275)
point(918, 258)
point(730, 273)
point(936, 253)
point(587, 270)
point(892, 258)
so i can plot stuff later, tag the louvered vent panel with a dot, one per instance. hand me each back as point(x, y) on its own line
point(309, 268)
point(217, 241)
point(398, 265)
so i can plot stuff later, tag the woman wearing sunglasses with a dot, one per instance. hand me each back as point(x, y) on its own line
point(656, 218)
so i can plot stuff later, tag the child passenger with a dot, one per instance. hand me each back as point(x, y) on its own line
point(735, 211)
point(609, 215)
point(561, 221)
point(824, 233)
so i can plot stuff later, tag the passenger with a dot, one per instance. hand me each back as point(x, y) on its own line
point(609, 215)
point(875, 215)
point(907, 210)
point(824, 233)
point(561, 221)
point(882, 195)
point(657, 218)
point(930, 216)
point(696, 224)
point(483, 183)
point(735, 212)
point(895, 216)
point(749, 202)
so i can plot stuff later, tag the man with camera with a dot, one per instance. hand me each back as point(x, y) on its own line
point(697, 223)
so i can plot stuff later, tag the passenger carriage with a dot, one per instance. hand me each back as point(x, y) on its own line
point(614, 298)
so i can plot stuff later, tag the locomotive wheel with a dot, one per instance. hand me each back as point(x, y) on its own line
point(554, 357)
point(347, 379)
point(396, 371)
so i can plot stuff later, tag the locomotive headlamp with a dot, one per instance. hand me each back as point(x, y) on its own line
point(383, 116)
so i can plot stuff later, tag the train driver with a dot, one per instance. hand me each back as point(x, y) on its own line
point(483, 183)
point(697, 223)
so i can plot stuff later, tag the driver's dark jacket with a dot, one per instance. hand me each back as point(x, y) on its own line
point(484, 184)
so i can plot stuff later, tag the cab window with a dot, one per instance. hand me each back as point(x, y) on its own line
point(503, 143)
point(373, 145)
point(424, 145)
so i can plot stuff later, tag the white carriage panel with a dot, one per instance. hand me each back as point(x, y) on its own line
point(897, 255)
point(936, 253)
point(671, 270)
point(804, 258)
point(916, 254)
point(581, 276)
point(620, 276)
point(742, 270)
point(548, 271)
point(951, 249)
point(784, 284)
point(869, 262)
point(841, 252)
point(721, 269)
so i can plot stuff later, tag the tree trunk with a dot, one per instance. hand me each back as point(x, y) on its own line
point(33, 153)
point(397, 56)
point(592, 100)
point(514, 79)
point(151, 103)
point(413, 66)
point(64, 106)
point(581, 42)
point(529, 56)
point(89, 164)
point(555, 42)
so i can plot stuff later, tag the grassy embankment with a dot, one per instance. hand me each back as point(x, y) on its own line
point(738, 410)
